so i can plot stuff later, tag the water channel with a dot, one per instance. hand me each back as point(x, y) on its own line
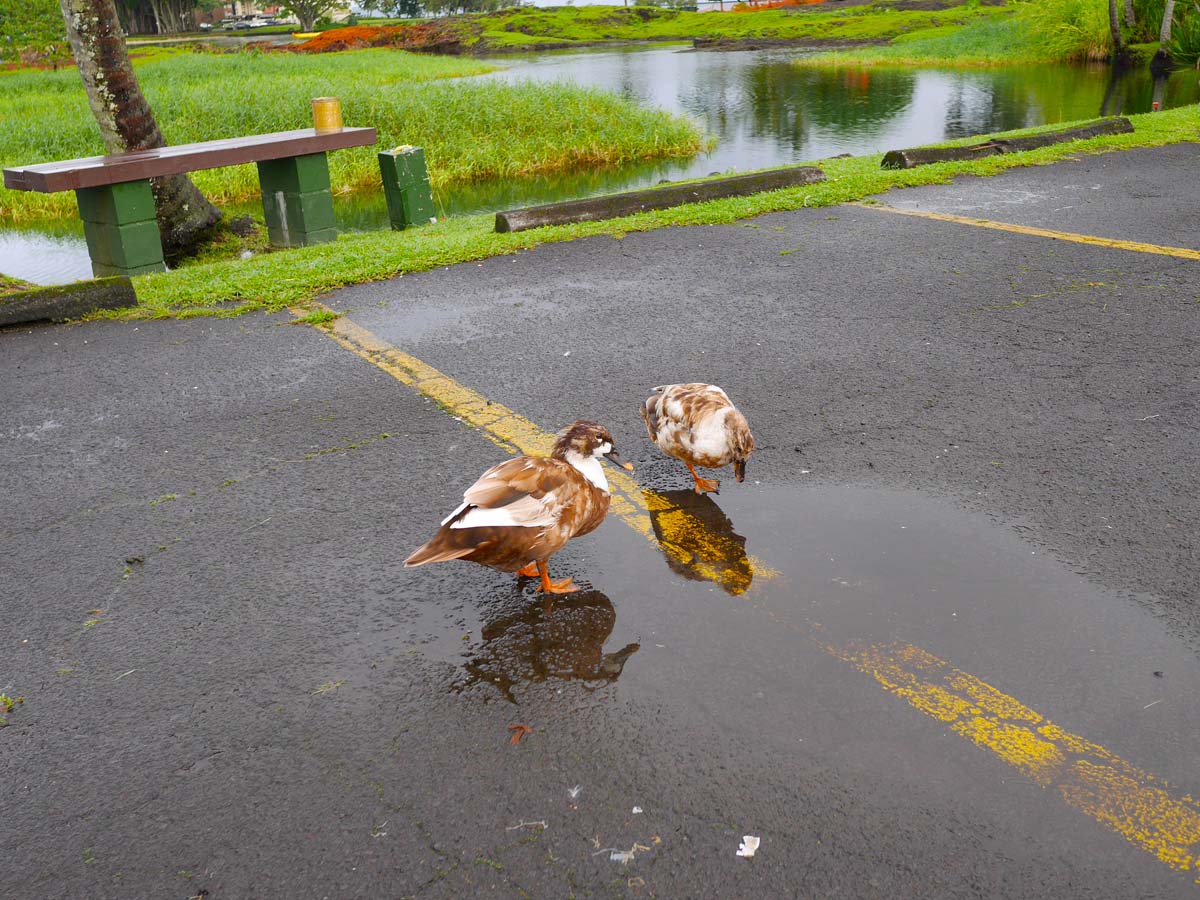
point(761, 110)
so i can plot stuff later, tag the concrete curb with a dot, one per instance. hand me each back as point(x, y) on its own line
point(923, 156)
point(614, 206)
point(67, 301)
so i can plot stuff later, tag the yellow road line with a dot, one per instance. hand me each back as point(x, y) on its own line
point(1111, 243)
point(1123, 798)
point(1093, 780)
point(687, 540)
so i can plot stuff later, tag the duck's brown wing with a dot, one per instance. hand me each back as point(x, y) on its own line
point(526, 492)
point(506, 515)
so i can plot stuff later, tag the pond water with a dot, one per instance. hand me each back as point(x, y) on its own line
point(762, 111)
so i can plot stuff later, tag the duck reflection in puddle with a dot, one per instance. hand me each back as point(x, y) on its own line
point(698, 539)
point(537, 642)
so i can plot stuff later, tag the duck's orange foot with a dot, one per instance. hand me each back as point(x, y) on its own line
point(529, 571)
point(566, 586)
point(704, 484)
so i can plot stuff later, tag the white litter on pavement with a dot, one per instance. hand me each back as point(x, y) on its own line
point(748, 846)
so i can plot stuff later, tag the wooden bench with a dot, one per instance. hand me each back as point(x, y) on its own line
point(117, 205)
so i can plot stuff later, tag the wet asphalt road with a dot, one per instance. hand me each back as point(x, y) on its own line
point(975, 443)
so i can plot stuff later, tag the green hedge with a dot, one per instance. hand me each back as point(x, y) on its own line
point(29, 23)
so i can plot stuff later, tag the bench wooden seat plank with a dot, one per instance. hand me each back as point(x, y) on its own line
point(98, 171)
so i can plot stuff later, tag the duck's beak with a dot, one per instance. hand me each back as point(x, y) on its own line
point(615, 458)
point(739, 469)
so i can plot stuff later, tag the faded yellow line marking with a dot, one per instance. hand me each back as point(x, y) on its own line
point(1123, 798)
point(685, 539)
point(1088, 777)
point(1111, 243)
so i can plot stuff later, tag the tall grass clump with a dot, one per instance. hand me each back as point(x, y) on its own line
point(470, 129)
point(1185, 37)
point(1067, 30)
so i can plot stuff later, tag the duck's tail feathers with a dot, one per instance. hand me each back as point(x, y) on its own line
point(434, 552)
point(650, 416)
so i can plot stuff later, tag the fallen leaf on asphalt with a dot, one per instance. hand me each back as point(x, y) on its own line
point(518, 731)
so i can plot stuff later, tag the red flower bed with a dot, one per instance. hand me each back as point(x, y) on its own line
point(403, 37)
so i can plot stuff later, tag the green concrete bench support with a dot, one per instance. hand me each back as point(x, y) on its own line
point(297, 202)
point(122, 234)
point(406, 187)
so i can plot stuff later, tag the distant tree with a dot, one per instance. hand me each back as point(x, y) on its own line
point(125, 118)
point(161, 16)
point(1130, 18)
point(396, 9)
point(309, 11)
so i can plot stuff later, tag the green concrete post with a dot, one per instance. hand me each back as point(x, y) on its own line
point(297, 203)
point(406, 187)
point(122, 234)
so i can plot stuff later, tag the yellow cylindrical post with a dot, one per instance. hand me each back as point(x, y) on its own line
point(327, 114)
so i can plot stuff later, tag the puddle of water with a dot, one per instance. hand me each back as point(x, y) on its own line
point(742, 594)
point(762, 110)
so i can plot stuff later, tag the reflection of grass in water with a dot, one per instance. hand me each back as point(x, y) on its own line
point(470, 130)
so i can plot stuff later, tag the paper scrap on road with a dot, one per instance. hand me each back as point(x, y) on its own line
point(748, 846)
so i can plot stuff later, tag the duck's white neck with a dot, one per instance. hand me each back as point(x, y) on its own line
point(589, 467)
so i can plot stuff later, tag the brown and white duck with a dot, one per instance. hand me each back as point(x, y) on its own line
point(522, 511)
point(697, 423)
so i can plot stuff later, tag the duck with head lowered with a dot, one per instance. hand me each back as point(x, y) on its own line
point(698, 424)
point(524, 510)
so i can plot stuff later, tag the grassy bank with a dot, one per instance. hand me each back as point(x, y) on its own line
point(532, 27)
point(469, 129)
point(1030, 31)
point(278, 280)
point(10, 285)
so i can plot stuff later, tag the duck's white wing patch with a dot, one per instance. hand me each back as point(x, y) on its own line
point(709, 437)
point(460, 508)
point(528, 512)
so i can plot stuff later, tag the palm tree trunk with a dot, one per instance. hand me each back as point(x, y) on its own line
point(1164, 33)
point(125, 118)
point(1161, 61)
point(1130, 18)
point(1114, 23)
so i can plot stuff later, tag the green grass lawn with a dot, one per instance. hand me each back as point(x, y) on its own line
point(277, 280)
point(470, 129)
